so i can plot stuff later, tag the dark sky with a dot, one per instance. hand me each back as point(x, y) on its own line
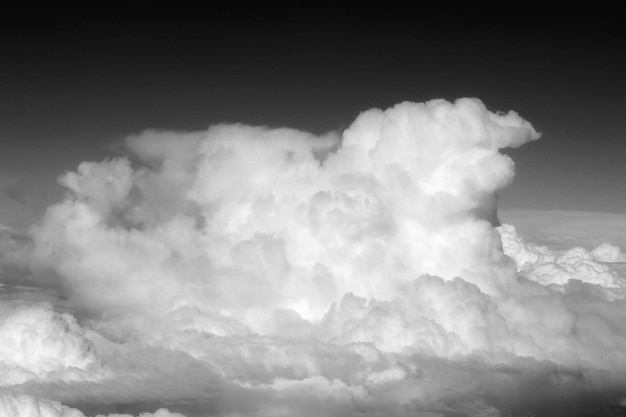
point(72, 85)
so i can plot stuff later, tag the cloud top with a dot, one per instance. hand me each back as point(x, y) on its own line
point(250, 219)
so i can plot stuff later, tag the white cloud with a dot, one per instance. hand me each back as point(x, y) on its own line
point(243, 211)
point(20, 405)
point(15, 405)
point(606, 252)
point(40, 343)
point(248, 270)
point(559, 267)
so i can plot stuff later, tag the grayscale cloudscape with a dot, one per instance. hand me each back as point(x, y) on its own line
point(248, 270)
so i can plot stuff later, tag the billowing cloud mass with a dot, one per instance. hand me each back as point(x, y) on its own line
point(256, 271)
point(219, 218)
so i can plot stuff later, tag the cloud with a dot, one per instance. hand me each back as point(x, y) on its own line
point(608, 253)
point(247, 270)
point(559, 267)
point(221, 217)
point(19, 405)
point(25, 405)
point(38, 342)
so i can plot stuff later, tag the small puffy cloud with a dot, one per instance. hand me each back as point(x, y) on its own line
point(38, 342)
point(608, 253)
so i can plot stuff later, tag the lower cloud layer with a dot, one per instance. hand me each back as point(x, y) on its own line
point(20, 405)
point(443, 348)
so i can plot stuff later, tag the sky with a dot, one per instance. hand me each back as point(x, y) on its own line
point(72, 88)
point(320, 213)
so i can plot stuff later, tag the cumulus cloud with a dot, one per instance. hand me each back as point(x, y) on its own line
point(38, 342)
point(223, 217)
point(255, 271)
point(559, 267)
point(606, 252)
